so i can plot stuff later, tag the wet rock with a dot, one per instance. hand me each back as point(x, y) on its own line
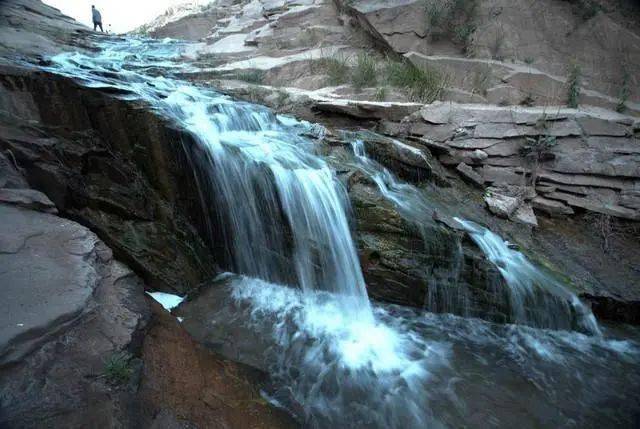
point(408, 161)
point(183, 381)
point(117, 168)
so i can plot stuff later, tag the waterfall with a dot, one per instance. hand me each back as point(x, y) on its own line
point(284, 212)
point(335, 359)
point(535, 298)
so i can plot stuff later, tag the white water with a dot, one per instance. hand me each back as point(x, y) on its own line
point(535, 297)
point(255, 165)
point(337, 360)
point(556, 307)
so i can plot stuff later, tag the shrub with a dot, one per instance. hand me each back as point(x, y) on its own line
point(336, 68)
point(625, 92)
point(117, 369)
point(381, 94)
point(452, 17)
point(573, 85)
point(251, 76)
point(421, 84)
point(482, 80)
point(364, 73)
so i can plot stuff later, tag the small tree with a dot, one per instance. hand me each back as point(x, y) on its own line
point(573, 82)
point(536, 150)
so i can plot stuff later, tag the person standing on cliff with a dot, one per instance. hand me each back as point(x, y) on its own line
point(97, 18)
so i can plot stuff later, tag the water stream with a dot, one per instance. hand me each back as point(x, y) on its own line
point(299, 307)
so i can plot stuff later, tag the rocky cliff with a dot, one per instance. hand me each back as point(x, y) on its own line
point(100, 199)
point(500, 77)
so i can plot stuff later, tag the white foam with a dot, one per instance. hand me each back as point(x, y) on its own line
point(167, 300)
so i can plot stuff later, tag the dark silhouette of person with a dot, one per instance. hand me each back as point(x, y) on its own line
point(97, 18)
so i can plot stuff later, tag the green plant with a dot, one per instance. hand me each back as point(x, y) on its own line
point(421, 84)
point(573, 85)
point(252, 76)
point(625, 92)
point(381, 94)
point(336, 69)
point(117, 369)
point(364, 72)
point(496, 44)
point(452, 17)
point(529, 60)
point(482, 80)
point(462, 34)
point(537, 149)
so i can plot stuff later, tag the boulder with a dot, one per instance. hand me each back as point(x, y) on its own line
point(499, 204)
point(525, 215)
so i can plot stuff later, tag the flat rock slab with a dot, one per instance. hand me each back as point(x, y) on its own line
point(47, 274)
point(28, 198)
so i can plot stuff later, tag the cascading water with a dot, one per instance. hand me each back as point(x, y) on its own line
point(335, 359)
point(535, 298)
point(258, 168)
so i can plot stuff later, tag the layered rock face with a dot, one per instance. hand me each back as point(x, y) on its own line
point(529, 165)
point(115, 167)
point(557, 161)
point(519, 49)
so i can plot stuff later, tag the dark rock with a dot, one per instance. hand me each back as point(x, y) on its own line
point(79, 307)
point(468, 174)
point(116, 168)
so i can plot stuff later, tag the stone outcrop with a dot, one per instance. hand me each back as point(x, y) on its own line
point(115, 167)
point(68, 307)
point(579, 160)
point(519, 49)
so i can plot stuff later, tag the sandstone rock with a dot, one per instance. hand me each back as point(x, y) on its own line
point(551, 207)
point(478, 155)
point(369, 110)
point(471, 176)
point(9, 176)
point(525, 215)
point(545, 189)
point(595, 205)
point(630, 199)
point(131, 191)
point(501, 175)
point(505, 94)
point(473, 143)
point(47, 279)
point(27, 198)
point(600, 127)
point(408, 161)
point(499, 204)
point(67, 308)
